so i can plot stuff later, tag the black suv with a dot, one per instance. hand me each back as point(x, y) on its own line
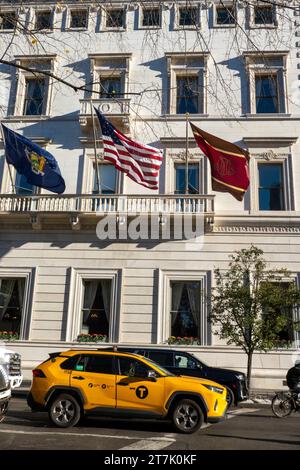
point(183, 363)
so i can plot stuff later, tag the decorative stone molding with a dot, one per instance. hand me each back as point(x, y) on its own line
point(276, 229)
point(75, 222)
point(35, 222)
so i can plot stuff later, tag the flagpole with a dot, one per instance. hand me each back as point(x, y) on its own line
point(95, 149)
point(186, 153)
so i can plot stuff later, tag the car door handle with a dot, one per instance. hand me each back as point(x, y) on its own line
point(123, 384)
point(78, 377)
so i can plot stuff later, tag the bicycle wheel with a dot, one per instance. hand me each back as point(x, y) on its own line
point(282, 404)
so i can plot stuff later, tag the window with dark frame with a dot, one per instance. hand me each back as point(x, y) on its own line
point(78, 19)
point(187, 99)
point(185, 309)
point(188, 16)
point(8, 20)
point(225, 15)
point(108, 179)
point(34, 96)
point(110, 87)
point(151, 17)
point(43, 20)
point(96, 307)
point(22, 186)
point(271, 195)
point(264, 15)
point(193, 178)
point(11, 304)
point(115, 18)
point(266, 93)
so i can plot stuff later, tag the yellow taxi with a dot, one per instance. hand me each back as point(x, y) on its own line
point(75, 383)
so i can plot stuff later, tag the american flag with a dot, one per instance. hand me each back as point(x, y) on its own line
point(141, 163)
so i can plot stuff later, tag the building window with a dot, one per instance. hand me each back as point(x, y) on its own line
point(96, 307)
point(193, 178)
point(264, 15)
point(151, 17)
point(188, 16)
point(8, 21)
point(266, 93)
point(267, 78)
point(225, 16)
point(110, 87)
point(107, 179)
point(11, 304)
point(23, 187)
point(78, 19)
point(115, 18)
point(185, 309)
point(271, 196)
point(187, 95)
point(43, 20)
point(34, 96)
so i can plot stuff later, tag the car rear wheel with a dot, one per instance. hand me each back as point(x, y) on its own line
point(64, 411)
point(187, 416)
point(229, 397)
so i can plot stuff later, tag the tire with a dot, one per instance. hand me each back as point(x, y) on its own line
point(230, 397)
point(187, 416)
point(64, 411)
point(3, 410)
point(282, 404)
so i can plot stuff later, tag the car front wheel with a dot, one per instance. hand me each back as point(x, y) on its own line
point(187, 416)
point(64, 411)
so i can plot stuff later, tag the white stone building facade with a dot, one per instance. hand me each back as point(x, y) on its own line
point(144, 64)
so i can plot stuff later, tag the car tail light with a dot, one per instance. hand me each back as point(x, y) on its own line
point(38, 373)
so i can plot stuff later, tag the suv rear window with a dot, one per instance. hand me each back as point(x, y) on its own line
point(70, 363)
point(163, 358)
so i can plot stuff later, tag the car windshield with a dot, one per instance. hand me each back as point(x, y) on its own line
point(162, 369)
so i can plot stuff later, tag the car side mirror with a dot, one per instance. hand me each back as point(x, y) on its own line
point(152, 375)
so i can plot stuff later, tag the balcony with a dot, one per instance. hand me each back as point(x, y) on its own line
point(84, 211)
point(115, 109)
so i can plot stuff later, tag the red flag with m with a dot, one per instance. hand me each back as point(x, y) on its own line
point(228, 162)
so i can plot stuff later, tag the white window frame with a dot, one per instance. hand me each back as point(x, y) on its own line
point(153, 6)
point(88, 172)
point(29, 274)
point(215, 16)
point(76, 297)
point(46, 63)
point(104, 15)
point(178, 7)
point(251, 12)
point(270, 157)
point(255, 66)
point(164, 302)
point(69, 10)
point(10, 10)
point(180, 69)
point(109, 65)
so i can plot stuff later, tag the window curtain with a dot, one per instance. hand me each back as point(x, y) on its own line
point(177, 289)
point(21, 289)
point(106, 293)
point(6, 290)
point(194, 300)
point(90, 292)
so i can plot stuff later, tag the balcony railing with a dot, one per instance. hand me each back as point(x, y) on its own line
point(105, 204)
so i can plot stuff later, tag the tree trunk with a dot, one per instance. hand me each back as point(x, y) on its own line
point(249, 370)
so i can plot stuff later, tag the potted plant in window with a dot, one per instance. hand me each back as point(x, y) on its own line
point(9, 335)
point(192, 340)
point(92, 338)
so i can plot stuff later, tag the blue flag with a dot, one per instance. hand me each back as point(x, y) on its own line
point(29, 159)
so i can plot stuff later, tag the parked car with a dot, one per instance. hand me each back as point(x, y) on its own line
point(11, 361)
point(5, 392)
point(184, 363)
point(75, 383)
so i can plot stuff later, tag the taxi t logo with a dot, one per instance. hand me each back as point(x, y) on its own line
point(141, 392)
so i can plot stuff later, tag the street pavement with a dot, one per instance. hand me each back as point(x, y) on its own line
point(251, 427)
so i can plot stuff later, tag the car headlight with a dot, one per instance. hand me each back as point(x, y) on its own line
point(240, 377)
point(213, 389)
